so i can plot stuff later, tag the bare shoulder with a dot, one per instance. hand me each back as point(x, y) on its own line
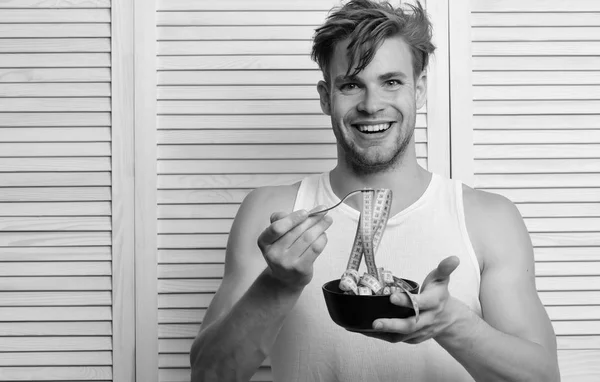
point(495, 227)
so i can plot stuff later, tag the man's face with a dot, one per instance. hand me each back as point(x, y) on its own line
point(373, 114)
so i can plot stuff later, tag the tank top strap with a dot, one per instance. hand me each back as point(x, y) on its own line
point(307, 192)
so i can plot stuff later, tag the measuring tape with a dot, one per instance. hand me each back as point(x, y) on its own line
point(371, 225)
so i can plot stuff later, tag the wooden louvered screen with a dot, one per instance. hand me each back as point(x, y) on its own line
point(237, 109)
point(536, 139)
point(58, 318)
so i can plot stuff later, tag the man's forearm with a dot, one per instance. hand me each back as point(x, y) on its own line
point(235, 345)
point(491, 355)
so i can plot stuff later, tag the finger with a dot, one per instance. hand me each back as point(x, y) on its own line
point(442, 273)
point(289, 239)
point(429, 299)
point(312, 242)
point(281, 224)
point(403, 326)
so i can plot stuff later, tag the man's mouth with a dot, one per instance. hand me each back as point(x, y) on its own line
point(373, 129)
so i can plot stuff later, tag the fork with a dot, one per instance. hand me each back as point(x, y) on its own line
point(341, 201)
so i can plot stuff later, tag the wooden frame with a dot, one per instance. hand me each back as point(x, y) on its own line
point(123, 286)
point(461, 98)
point(146, 283)
point(438, 92)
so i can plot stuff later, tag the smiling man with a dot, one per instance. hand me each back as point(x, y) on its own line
point(481, 318)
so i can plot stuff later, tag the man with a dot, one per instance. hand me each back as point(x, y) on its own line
point(484, 322)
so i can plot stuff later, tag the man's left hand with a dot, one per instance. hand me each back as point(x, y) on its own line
point(438, 309)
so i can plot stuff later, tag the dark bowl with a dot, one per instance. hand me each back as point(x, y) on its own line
point(357, 313)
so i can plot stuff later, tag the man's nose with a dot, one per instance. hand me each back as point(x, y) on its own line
point(371, 102)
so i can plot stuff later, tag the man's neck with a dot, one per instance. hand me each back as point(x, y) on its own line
point(408, 182)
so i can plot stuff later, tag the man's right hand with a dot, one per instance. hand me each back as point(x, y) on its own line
point(291, 244)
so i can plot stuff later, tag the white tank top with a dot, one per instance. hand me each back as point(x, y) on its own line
point(311, 347)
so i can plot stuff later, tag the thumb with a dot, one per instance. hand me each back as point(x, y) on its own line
point(277, 216)
point(443, 271)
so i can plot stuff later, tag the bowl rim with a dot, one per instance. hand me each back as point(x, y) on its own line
point(414, 290)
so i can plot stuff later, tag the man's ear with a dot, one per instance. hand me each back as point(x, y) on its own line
point(421, 90)
point(323, 89)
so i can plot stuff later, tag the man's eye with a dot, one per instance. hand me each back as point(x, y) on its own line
point(349, 87)
point(393, 83)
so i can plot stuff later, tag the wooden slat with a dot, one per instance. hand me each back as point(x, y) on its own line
point(54, 16)
point(536, 107)
point(243, 5)
point(313, 136)
point(91, 358)
point(174, 256)
point(190, 48)
point(279, 32)
point(177, 330)
point(55, 30)
point(239, 77)
point(573, 283)
point(56, 254)
point(237, 92)
point(579, 366)
point(55, 45)
point(562, 224)
point(520, 151)
point(536, 92)
point(197, 211)
point(536, 136)
point(174, 346)
point(240, 107)
point(537, 180)
point(53, 4)
point(43, 239)
point(19, 105)
point(539, 210)
point(552, 254)
point(534, 6)
point(570, 298)
point(55, 90)
point(576, 328)
point(541, 19)
point(286, 69)
point(589, 268)
point(55, 164)
point(168, 226)
point(556, 239)
point(524, 166)
point(174, 316)
point(55, 298)
point(55, 134)
point(54, 60)
point(537, 48)
point(539, 34)
point(536, 122)
point(12, 329)
point(226, 181)
point(498, 76)
point(254, 151)
point(53, 373)
point(59, 149)
point(225, 122)
point(55, 209)
point(188, 300)
point(192, 241)
point(201, 196)
point(19, 344)
point(38, 223)
point(55, 120)
point(578, 342)
point(178, 271)
point(49, 194)
point(239, 18)
point(207, 166)
point(52, 283)
point(55, 75)
point(54, 268)
point(193, 285)
point(55, 313)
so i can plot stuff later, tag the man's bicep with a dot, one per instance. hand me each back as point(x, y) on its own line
point(508, 294)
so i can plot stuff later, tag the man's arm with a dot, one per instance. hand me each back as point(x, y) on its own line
point(515, 340)
point(255, 296)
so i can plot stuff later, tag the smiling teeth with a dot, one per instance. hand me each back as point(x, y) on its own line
point(380, 127)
